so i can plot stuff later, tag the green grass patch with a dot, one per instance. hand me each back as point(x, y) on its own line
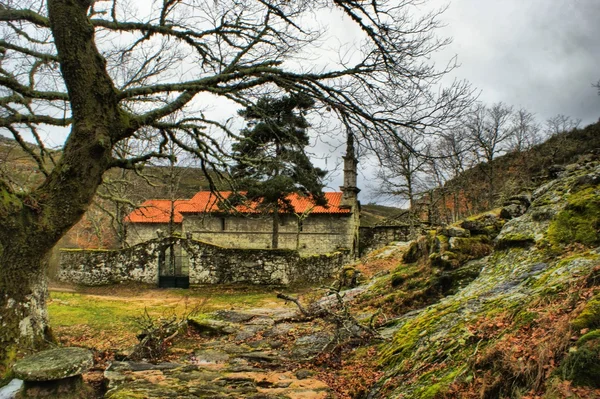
point(105, 318)
point(68, 309)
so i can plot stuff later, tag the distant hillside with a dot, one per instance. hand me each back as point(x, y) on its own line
point(374, 214)
point(514, 173)
point(151, 183)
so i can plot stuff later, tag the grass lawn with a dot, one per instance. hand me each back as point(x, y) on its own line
point(103, 318)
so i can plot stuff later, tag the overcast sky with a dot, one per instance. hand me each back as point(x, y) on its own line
point(542, 55)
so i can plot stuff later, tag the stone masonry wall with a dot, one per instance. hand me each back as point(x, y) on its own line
point(101, 267)
point(142, 232)
point(208, 264)
point(372, 238)
point(320, 233)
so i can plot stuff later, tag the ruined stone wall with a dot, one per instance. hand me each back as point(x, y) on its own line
point(208, 264)
point(101, 267)
point(372, 238)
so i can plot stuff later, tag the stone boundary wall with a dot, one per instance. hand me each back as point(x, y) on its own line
point(372, 238)
point(208, 264)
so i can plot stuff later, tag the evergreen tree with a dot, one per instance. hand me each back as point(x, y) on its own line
point(270, 156)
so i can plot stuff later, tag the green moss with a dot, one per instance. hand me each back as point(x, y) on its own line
point(581, 366)
point(437, 389)
point(525, 318)
point(589, 316)
point(588, 337)
point(516, 238)
point(579, 221)
point(8, 359)
point(432, 391)
point(126, 394)
point(418, 249)
point(398, 279)
point(442, 238)
point(546, 282)
point(407, 337)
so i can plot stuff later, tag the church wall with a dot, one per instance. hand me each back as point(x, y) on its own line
point(320, 233)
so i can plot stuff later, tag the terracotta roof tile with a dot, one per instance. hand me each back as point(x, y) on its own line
point(158, 211)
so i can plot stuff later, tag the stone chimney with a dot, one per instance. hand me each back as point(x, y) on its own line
point(349, 189)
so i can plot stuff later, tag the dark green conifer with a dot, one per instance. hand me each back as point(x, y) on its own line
point(271, 158)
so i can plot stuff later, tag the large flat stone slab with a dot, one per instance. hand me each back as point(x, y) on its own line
point(54, 364)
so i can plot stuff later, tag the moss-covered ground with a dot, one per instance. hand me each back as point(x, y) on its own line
point(526, 327)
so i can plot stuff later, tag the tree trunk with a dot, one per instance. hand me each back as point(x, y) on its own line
point(298, 231)
point(275, 240)
point(23, 315)
point(33, 222)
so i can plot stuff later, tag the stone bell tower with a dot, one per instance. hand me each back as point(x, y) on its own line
point(350, 196)
point(349, 189)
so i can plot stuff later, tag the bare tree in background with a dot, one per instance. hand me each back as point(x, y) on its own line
point(526, 131)
point(561, 124)
point(454, 156)
point(108, 74)
point(489, 130)
point(119, 193)
point(402, 168)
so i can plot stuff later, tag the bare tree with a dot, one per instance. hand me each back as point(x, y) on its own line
point(119, 193)
point(526, 131)
point(402, 168)
point(107, 74)
point(453, 156)
point(561, 124)
point(489, 130)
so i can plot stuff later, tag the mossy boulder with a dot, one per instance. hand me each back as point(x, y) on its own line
point(418, 249)
point(579, 221)
point(589, 316)
point(459, 250)
point(592, 335)
point(455, 231)
point(582, 365)
point(485, 224)
point(445, 260)
point(473, 248)
point(211, 327)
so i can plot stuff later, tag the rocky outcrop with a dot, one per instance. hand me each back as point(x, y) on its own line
point(528, 321)
point(249, 355)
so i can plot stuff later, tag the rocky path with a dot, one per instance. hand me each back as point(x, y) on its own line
point(258, 353)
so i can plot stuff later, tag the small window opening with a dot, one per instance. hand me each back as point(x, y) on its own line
point(222, 224)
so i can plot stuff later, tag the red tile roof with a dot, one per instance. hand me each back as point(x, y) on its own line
point(158, 211)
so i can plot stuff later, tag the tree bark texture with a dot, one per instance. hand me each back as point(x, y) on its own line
point(32, 223)
point(275, 238)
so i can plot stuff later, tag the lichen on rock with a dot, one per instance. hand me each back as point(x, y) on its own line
point(54, 364)
point(465, 342)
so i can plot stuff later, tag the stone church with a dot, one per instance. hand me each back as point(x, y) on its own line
point(309, 229)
